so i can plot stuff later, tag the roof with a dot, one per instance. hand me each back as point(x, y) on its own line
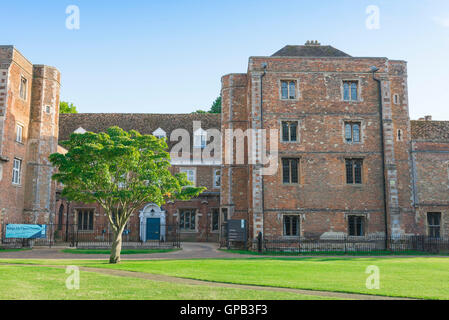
point(437, 131)
point(143, 123)
point(309, 50)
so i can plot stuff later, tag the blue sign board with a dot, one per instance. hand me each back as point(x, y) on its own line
point(26, 231)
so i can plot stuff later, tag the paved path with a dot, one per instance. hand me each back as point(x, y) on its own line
point(185, 281)
point(190, 250)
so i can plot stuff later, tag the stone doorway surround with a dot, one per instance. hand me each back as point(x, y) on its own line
point(151, 210)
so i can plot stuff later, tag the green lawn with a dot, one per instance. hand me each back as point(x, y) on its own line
point(422, 277)
point(337, 253)
point(41, 283)
point(125, 251)
point(13, 250)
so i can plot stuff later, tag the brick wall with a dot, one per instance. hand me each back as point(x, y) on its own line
point(322, 198)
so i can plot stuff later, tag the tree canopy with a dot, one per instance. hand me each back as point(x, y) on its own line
point(121, 171)
point(66, 107)
point(215, 108)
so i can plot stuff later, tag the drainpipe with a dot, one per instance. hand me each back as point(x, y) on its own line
point(264, 66)
point(374, 70)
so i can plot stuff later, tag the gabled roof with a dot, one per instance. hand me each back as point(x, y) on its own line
point(437, 131)
point(309, 50)
point(143, 123)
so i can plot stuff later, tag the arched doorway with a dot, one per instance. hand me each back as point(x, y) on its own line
point(152, 223)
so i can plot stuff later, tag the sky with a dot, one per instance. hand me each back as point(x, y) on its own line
point(169, 56)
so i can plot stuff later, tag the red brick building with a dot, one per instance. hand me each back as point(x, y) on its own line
point(199, 217)
point(29, 108)
point(348, 162)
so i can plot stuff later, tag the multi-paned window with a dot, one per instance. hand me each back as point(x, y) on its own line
point(23, 88)
point(434, 224)
point(85, 219)
point(191, 175)
point(187, 219)
point(290, 170)
point(291, 225)
point(215, 219)
point(17, 171)
point(356, 226)
point(217, 178)
point(288, 89)
point(352, 132)
point(200, 139)
point(19, 133)
point(289, 131)
point(350, 90)
point(354, 171)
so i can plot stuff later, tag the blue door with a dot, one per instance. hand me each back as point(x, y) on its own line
point(153, 228)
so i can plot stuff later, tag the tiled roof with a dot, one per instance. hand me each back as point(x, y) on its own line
point(310, 51)
point(143, 123)
point(437, 131)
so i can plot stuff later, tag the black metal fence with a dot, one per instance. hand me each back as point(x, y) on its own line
point(100, 236)
point(348, 244)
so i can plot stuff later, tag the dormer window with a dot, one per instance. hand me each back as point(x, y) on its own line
point(200, 139)
point(80, 130)
point(160, 134)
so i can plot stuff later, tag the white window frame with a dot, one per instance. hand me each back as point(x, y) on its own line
point(159, 133)
point(396, 99)
point(80, 130)
point(297, 92)
point(200, 138)
point(16, 172)
point(215, 185)
point(359, 90)
point(188, 171)
point(23, 88)
point(19, 133)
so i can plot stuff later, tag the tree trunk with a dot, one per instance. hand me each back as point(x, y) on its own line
point(116, 248)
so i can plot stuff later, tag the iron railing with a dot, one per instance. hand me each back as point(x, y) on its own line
point(99, 236)
point(349, 244)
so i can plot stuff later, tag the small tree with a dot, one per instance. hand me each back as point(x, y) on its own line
point(65, 107)
point(121, 171)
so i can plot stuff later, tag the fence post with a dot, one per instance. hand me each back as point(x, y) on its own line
point(259, 242)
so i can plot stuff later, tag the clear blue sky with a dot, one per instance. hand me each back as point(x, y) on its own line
point(168, 56)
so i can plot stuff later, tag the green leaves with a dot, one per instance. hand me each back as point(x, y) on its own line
point(119, 170)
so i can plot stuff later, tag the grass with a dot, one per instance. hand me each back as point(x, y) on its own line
point(337, 253)
point(13, 250)
point(125, 251)
point(41, 283)
point(414, 277)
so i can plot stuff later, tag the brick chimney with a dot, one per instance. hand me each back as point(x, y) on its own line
point(312, 43)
